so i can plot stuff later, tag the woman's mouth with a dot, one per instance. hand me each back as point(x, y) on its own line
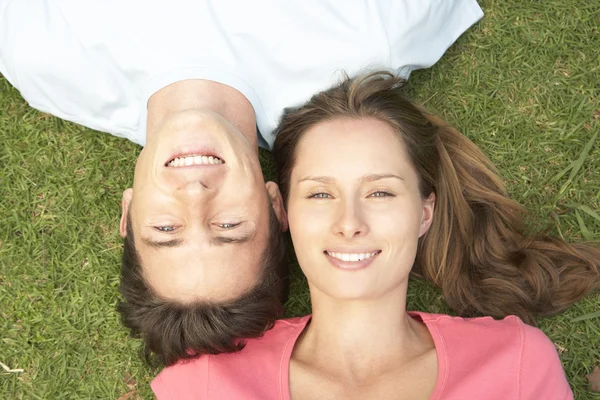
point(352, 257)
point(351, 261)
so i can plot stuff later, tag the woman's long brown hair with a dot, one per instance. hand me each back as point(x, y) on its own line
point(478, 250)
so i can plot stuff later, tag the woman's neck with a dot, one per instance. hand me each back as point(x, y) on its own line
point(202, 94)
point(360, 340)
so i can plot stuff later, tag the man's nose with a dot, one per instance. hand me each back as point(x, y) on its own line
point(350, 221)
point(196, 190)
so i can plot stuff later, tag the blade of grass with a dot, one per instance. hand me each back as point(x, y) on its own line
point(563, 172)
point(585, 209)
point(578, 164)
point(583, 317)
point(584, 230)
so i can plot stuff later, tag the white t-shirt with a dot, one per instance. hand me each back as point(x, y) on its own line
point(97, 63)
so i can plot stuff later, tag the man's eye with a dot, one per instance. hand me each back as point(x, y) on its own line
point(228, 225)
point(319, 196)
point(381, 193)
point(167, 228)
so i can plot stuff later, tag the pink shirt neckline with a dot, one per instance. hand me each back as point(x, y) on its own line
point(425, 318)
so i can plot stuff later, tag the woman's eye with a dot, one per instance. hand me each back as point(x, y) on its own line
point(228, 225)
point(167, 228)
point(319, 196)
point(381, 193)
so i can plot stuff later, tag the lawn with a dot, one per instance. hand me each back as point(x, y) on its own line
point(524, 84)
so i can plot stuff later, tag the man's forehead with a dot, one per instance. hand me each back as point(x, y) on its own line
point(200, 271)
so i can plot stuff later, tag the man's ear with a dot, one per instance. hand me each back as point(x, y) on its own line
point(427, 216)
point(126, 200)
point(277, 202)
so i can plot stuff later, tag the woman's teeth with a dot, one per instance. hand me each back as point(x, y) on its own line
point(194, 160)
point(352, 257)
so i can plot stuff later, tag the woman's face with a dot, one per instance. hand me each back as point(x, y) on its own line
point(355, 210)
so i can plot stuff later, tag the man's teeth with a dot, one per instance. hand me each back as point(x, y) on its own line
point(352, 257)
point(194, 160)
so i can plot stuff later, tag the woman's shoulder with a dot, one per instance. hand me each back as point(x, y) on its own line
point(508, 354)
point(466, 340)
point(510, 332)
point(258, 363)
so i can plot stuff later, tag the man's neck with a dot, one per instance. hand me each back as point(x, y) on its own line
point(202, 94)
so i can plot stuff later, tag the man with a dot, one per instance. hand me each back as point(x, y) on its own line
point(201, 85)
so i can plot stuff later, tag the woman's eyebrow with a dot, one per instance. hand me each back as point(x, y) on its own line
point(320, 179)
point(377, 177)
point(363, 179)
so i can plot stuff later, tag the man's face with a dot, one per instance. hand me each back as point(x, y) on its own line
point(199, 209)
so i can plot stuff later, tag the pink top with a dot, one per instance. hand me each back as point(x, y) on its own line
point(478, 358)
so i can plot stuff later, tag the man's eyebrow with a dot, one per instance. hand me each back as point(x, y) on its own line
point(223, 240)
point(156, 244)
point(366, 178)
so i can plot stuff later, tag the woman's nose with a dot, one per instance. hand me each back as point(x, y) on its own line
point(350, 222)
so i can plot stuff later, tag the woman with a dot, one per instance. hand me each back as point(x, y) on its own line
point(374, 189)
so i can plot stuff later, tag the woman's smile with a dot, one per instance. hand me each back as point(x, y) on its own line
point(351, 261)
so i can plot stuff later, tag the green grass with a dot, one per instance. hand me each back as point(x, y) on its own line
point(523, 85)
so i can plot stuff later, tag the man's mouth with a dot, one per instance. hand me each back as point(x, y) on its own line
point(194, 159)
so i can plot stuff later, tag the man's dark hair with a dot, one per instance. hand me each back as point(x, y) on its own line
point(172, 331)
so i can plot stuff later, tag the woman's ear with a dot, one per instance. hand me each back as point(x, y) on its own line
point(277, 202)
point(427, 214)
point(125, 201)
